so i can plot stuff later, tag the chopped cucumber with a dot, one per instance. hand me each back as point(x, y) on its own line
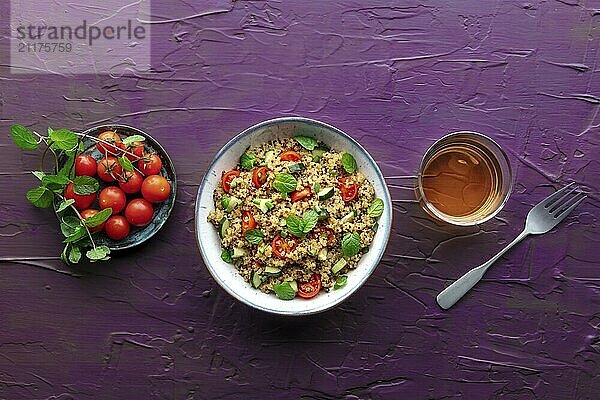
point(263, 204)
point(294, 285)
point(296, 167)
point(325, 194)
point(223, 226)
point(318, 153)
point(230, 202)
point(322, 255)
point(272, 271)
point(337, 267)
point(239, 252)
point(323, 214)
point(347, 218)
point(375, 226)
point(256, 279)
point(317, 187)
point(269, 157)
point(313, 252)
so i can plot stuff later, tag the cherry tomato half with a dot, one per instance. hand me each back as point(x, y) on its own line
point(248, 221)
point(290, 155)
point(110, 137)
point(112, 197)
point(150, 164)
point(311, 288)
point(130, 182)
point(283, 246)
point(81, 201)
point(117, 227)
point(325, 232)
point(139, 212)
point(227, 178)
point(259, 176)
point(109, 169)
point(298, 195)
point(85, 165)
point(348, 187)
point(156, 189)
point(90, 213)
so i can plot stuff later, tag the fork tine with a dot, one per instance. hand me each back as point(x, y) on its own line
point(554, 195)
point(563, 214)
point(556, 204)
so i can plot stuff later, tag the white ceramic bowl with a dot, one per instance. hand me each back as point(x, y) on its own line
point(209, 242)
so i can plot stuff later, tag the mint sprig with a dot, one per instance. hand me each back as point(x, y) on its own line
point(300, 226)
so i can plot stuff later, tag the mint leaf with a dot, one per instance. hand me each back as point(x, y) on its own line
point(99, 253)
point(75, 255)
point(254, 236)
point(226, 256)
point(68, 169)
point(284, 291)
point(64, 205)
point(340, 282)
point(376, 208)
point(310, 219)
point(38, 174)
point(349, 163)
point(247, 161)
point(295, 225)
point(55, 182)
point(309, 143)
point(126, 163)
point(23, 137)
point(83, 185)
point(63, 139)
point(40, 197)
point(69, 224)
point(77, 234)
point(350, 244)
point(98, 219)
point(133, 138)
point(284, 183)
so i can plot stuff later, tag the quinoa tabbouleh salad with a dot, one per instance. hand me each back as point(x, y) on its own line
point(295, 217)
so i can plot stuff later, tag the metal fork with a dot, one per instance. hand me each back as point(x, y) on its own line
point(541, 218)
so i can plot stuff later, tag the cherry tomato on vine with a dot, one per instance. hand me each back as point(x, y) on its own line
point(82, 201)
point(85, 165)
point(259, 176)
point(112, 197)
point(90, 213)
point(139, 212)
point(248, 221)
point(150, 164)
point(310, 288)
point(283, 246)
point(348, 187)
point(131, 182)
point(227, 178)
point(298, 195)
point(117, 227)
point(290, 155)
point(109, 169)
point(137, 148)
point(156, 189)
point(111, 137)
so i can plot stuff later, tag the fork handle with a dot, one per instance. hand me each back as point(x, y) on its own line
point(449, 296)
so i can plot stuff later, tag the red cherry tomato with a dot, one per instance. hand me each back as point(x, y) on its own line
point(112, 197)
point(283, 246)
point(298, 195)
point(117, 227)
point(326, 232)
point(290, 155)
point(259, 176)
point(348, 187)
point(139, 212)
point(81, 201)
point(90, 213)
point(248, 221)
point(137, 148)
point(311, 288)
point(85, 165)
point(227, 178)
point(156, 189)
point(109, 169)
point(131, 182)
point(150, 164)
point(111, 137)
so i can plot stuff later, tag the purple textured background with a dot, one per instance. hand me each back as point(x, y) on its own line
point(152, 324)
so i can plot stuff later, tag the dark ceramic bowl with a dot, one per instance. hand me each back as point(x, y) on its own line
point(161, 210)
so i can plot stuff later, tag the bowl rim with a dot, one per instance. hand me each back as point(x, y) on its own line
point(359, 284)
point(155, 143)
